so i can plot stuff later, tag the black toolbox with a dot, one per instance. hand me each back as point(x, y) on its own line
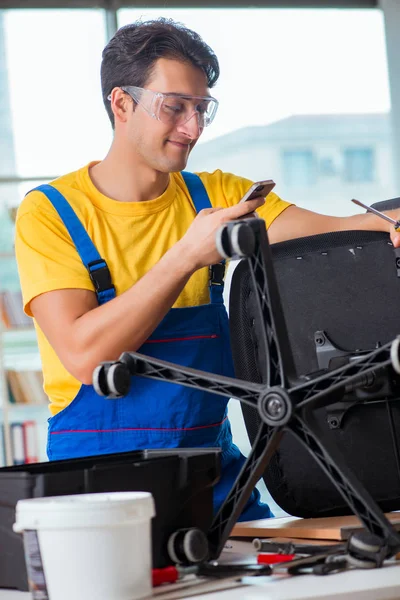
point(180, 481)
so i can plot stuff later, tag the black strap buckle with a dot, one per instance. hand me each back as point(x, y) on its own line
point(101, 277)
point(217, 274)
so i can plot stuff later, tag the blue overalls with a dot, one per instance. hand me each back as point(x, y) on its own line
point(156, 414)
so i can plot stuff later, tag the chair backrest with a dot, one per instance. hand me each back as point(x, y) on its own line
point(346, 285)
point(387, 204)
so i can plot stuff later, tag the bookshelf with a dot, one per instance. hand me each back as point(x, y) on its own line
point(23, 404)
point(19, 355)
point(23, 408)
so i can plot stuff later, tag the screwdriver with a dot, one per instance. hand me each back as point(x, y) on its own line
point(266, 545)
point(382, 215)
point(271, 558)
point(171, 574)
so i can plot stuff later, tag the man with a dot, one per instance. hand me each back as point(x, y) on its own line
point(114, 258)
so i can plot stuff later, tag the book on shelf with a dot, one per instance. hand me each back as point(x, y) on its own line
point(26, 387)
point(24, 443)
point(31, 450)
point(2, 446)
point(17, 443)
point(12, 310)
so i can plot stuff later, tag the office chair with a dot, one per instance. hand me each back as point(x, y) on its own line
point(340, 295)
point(285, 401)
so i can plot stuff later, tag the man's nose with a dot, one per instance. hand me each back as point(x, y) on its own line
point(192, 127)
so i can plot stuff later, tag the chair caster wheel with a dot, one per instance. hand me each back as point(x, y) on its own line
point(235, 240)
point(188, 546)
point(111, 379)
point(366, 550)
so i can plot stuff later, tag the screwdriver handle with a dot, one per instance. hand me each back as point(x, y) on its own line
point(166, 575)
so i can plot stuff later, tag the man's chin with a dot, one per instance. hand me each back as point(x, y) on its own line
point(174, 166)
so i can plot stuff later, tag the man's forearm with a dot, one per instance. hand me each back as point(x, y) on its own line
point(295, 222)
point(125, 322)
point(365, 222)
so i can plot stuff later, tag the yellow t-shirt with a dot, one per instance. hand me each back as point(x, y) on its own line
point(130, 236)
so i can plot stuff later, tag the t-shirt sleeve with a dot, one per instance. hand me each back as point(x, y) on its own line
point(226, 189)
point(47, 258)
point(273, 207)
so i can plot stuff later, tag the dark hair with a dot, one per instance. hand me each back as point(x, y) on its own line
point(129, 57)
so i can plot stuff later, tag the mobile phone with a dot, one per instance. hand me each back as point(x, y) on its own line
point(259, 188)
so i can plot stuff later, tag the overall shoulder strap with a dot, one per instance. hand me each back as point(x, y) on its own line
point(197, 190)
point(201, 200)
point(97, 266)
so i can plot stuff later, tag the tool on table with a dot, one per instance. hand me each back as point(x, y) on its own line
point(271, 559)
point(319, 564)
point(294, 548)
point(171, 574)
point(378, 213)
point(213, 569)
point(363, 550)
point(331, 566)
point(221, 570)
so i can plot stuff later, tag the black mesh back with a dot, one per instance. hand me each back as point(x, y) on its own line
point(345, 284)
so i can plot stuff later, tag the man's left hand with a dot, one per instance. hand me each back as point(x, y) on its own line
point(394, 235)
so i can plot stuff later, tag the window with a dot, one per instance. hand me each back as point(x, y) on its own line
point(272, 101)
point(299, 167)
point(52, 119)
point(51, 116)
point(50, 63)
point(359, 165)
point(327, 166)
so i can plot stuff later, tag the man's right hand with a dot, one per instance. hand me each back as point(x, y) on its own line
point(198, 245)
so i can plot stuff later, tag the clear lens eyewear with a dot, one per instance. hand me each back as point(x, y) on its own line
point(173, 109)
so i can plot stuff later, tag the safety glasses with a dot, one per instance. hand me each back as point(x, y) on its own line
point(173, 109)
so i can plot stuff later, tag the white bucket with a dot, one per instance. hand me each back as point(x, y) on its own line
point(88, 546)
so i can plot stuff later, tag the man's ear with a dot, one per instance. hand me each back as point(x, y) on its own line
point(121, 105)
